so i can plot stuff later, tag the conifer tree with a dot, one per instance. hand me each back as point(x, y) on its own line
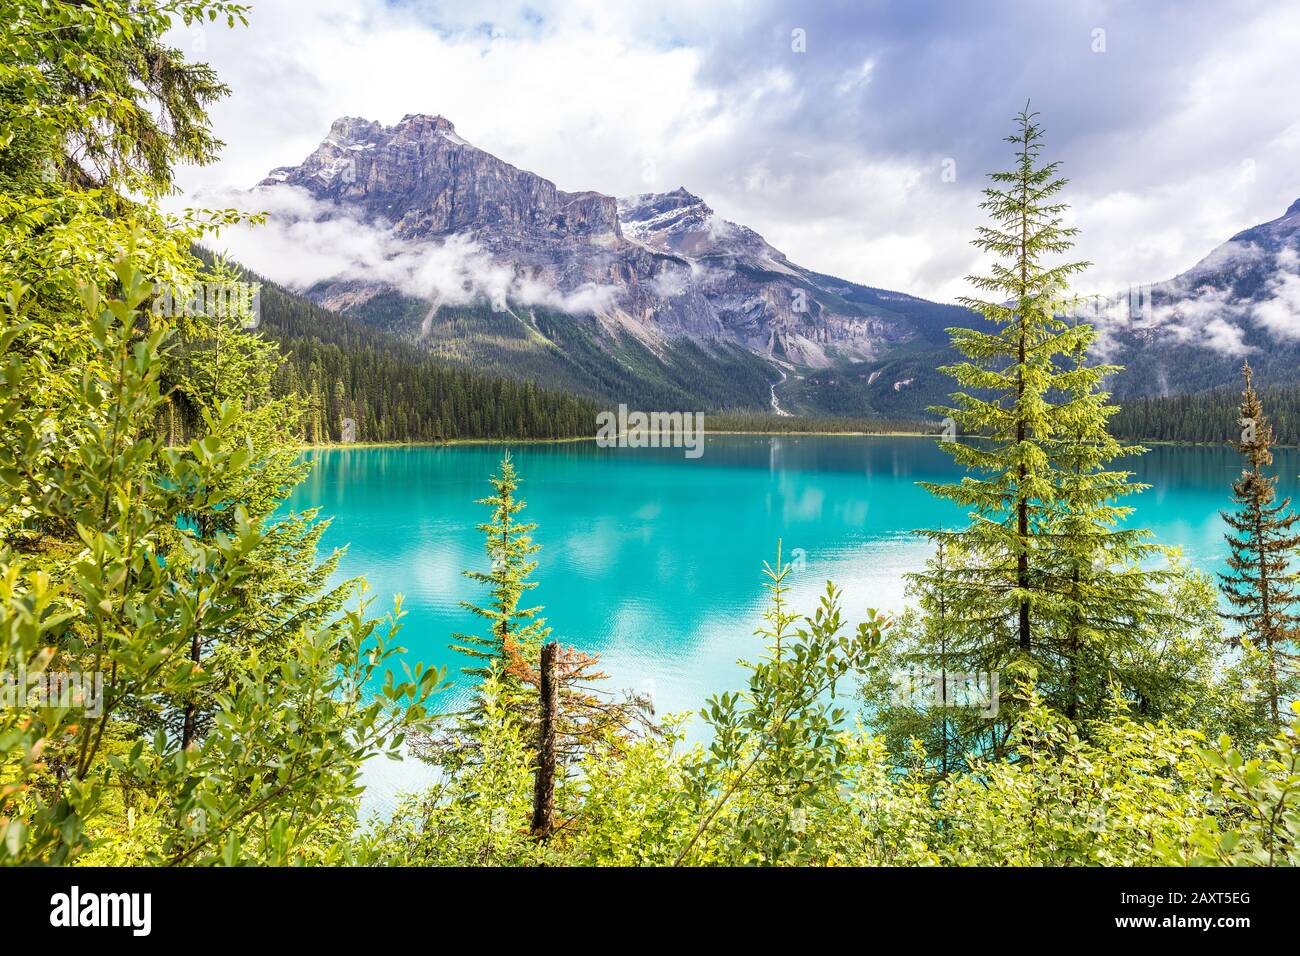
point(1048, 580)
point(509, 656)
point(1104, 597)
point(1261, 584)
point(1011, 373)
point(515, 634)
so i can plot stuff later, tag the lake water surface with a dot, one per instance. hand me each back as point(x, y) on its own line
point(653, 560)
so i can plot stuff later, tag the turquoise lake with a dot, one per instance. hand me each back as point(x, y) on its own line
point(653, 560)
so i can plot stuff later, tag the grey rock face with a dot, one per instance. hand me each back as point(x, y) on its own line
point(428, 182)
point(666, 265)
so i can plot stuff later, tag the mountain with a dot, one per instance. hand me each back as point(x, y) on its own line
point(651, 298)
point(393, 391)
point(657, 301)
point(1191, 333)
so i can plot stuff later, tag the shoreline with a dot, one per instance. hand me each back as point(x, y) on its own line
point(334, 446)
point(425, 443)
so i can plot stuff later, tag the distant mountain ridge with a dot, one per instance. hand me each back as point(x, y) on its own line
point(659, 269)
point(655, 298)
point(1192, 332)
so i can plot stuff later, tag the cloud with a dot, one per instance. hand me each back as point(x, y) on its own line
point(1226, 338)
point(1175, 136)
point(1193, 311)
point(306, 241)
point(1280, 312)
point(1208, 317)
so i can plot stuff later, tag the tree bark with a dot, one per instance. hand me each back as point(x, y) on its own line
point(544, 776)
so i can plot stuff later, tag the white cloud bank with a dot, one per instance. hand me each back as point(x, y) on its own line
point(1176, 137)
point(1207, 316)
point(306, 241)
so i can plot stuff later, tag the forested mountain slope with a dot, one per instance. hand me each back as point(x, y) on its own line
point(396, 391)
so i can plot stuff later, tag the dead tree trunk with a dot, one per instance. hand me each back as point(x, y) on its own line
point(544, 776)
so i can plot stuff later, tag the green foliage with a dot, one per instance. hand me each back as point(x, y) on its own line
point(515, 634)
point(776, 754)
point(636, 810)
point(1049, 584)
point(95, 97)
point(1104, 800)
point(142, 564)
point(478, 814)
point(1261, 583)
point(1258, 821)
point(142, 468)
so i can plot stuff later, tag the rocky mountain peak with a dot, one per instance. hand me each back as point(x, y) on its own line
point(426, 181)
point(661, 264)
point(436, 122)
point(648, 215)
point(352, 130)
point(421, 126)
point(683, 223)
point(1273, 234)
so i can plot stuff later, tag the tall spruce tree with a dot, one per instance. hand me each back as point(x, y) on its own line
point(1261, 583)
point(1049, 583)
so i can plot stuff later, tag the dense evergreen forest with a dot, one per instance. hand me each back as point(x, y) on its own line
point(189, 683)
point(396, 391)
point(399, 391)
point(1209, 416)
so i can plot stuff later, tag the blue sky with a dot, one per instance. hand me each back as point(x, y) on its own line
point(1175, 121)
